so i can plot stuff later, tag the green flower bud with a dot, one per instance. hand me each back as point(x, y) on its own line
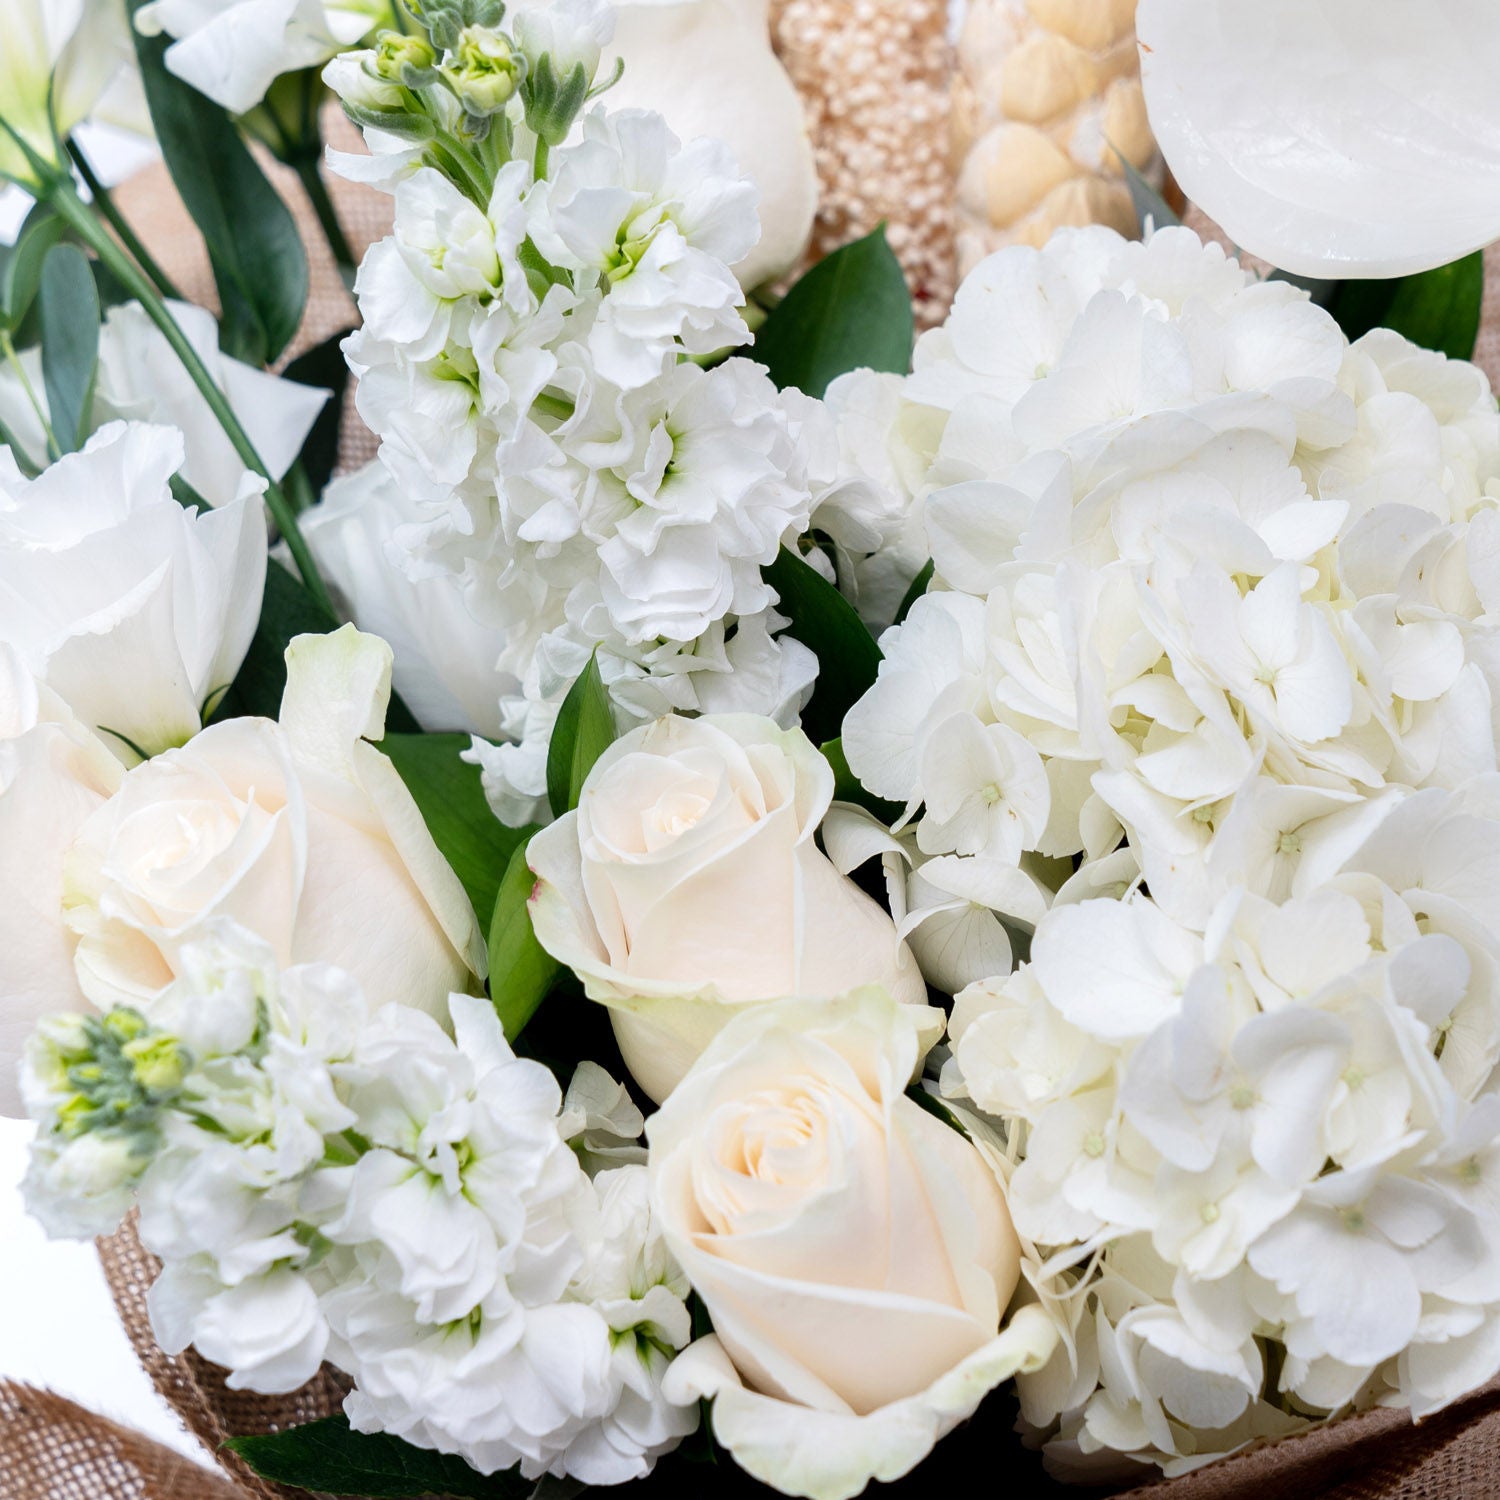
point(408, 60)
point(124, 1024)
point(483, 70)
point(159, 1062)
point(553, 100)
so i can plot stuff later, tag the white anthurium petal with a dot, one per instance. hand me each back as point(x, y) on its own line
point(833, 1455)
point(1338, 139)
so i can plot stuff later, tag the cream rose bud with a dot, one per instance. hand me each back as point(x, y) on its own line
point(854, 1252)
point(298, 830)
point(689, 883)
point(136, 611)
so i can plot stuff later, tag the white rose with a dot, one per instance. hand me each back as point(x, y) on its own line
point(53, 775)
point(135, 610)
point(445, 666)
point(688, 883)
point(854, 1252)
point(298, 830)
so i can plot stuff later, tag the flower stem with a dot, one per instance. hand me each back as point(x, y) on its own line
point(64, 198)
point(8, 349)
point(117, 221)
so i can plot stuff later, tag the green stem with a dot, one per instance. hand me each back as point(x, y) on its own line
point(309, 169)
point(117, 221)
point(19, 371)
point(541, 160)
point(64, 198)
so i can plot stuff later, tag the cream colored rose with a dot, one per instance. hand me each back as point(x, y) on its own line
point(689, 883)
point(298, 830)
point(854, 1252)
point(53, 775)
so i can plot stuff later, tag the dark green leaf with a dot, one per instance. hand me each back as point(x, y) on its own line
point(1323, 293)
point(21, 264)
point(1149, 204)
point(585, 729)
point(825, 622)
point(330, 1456)
point(447, 789)
point(70, 342)
point(521, 970)
point(847, 787)
point(324, 366)
point(253, 244)
point(851, 311)
point(915, 592)
point(1437, 309)
point(287, 610)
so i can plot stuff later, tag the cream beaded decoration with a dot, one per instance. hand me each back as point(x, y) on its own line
point(874, 76)
point(1044, 93)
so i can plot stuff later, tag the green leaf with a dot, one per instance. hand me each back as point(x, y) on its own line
point(449, 792)
point(851, 311)
point(324, 366)
point(915, 592)
point(521, 970)
point(21, 264)
point(585, 729)
point(1148, 203)
point(331, 1457)
point(253, 244)
point(826, 623)
point(69, 304)
point(1437, 309)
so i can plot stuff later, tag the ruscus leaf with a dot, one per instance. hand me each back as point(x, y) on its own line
point(521, 970)
point(585, 729)
point(69, 303)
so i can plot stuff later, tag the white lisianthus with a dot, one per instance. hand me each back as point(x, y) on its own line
point(1373, 156)
point(445, 660)
point(689, 884)
point(134, 610)
point(234, 50)
point(299, 830)
point(62, 60)
point(853, 1251)
point(53, 775)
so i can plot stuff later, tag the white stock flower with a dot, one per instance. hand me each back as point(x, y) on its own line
point(135, 610)
point(689, 884)
point(1374, 157)
point(300, 830)
point(234, 50)
point(853, 1251)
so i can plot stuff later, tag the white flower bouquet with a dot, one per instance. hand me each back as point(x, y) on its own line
point(821, 895)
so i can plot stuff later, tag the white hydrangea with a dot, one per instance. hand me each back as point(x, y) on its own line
point(1210, 587)
point(405, 1202)
point(1273, 1134)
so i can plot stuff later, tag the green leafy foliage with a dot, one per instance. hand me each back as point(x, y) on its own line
point(253, 244)
point(585, 729)
point(21, 264)
point(847, 787)
point(521, 970)
point(287, 610)
point(331, 1457)
point(1438, 309)
point(851, 311)
point(70, 312)
point(449, 793)
point(826, 623)
point(1148, 203)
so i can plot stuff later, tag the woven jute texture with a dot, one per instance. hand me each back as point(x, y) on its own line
point(51, 1449)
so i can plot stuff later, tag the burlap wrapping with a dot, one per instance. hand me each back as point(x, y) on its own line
point(51, 1449)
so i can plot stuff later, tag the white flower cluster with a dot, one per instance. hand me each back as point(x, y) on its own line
point(1212, 586)
point(1262, 1161)
point(326, 1183)
point(528, 360)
